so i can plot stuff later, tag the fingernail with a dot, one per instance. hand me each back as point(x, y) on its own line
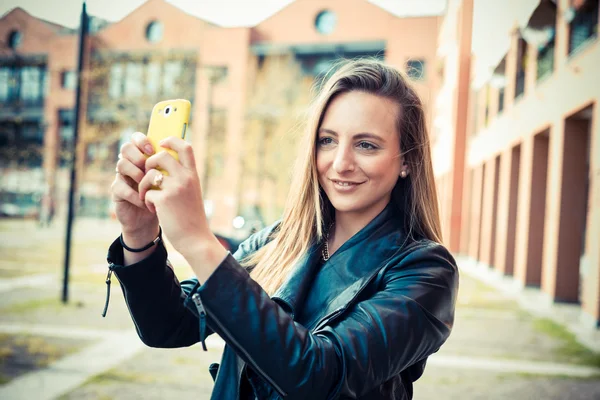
point(149, 149)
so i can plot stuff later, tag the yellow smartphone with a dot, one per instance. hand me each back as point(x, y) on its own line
point(168, 118)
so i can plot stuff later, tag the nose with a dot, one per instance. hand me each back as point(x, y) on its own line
point(344, 160)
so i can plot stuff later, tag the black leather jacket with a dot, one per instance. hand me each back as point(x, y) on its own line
point(392, 306)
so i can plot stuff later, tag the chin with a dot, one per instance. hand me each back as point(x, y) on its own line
point(346, 205)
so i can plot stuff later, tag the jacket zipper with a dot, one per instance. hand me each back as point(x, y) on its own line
point(201, 317)
point(202, 312)
point(111, 267)
point(110, 271)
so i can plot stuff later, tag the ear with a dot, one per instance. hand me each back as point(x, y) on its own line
point(404, 171)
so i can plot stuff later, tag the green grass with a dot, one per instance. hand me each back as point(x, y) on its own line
point(476, 294)
point(43, 251)
point(52, 304)
point(117, 376)
point(528, 375)
point(30, 305)
point(570, 349)
point(185, 361)
point(96, 396)
point(25, 353)
point(6, 273)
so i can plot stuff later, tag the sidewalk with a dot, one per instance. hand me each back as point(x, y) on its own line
point(496, 350)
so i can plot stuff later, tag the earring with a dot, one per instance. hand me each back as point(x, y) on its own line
point(403, 174)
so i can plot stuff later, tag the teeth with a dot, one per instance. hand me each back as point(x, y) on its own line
point(344, 183)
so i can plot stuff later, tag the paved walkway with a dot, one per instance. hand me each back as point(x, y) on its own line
point(8, 284)
point(72, 371)
point(512, 366)
point(535, 302)
point(497, 349)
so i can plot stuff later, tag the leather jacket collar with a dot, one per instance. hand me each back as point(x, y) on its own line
point(357, 258)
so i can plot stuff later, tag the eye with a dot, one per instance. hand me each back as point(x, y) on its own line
point(324, 141)
point(367, 146)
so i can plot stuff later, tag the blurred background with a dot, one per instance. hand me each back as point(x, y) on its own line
point(511, 92)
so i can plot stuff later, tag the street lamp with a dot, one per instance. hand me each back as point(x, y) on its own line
point(83, 26)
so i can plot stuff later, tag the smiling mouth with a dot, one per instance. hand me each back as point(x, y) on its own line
point(346, 184)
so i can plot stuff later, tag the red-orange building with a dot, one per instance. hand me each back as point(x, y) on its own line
point(519, 169)
point(158, 51)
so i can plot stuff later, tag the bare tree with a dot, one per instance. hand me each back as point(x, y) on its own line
point(278, 98)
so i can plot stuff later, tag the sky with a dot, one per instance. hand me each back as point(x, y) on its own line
point(222, 12)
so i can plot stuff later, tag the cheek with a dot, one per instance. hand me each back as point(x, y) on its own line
point(381, 168)
point(321, 163)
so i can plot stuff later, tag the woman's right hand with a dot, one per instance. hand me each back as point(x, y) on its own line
point(136, 220)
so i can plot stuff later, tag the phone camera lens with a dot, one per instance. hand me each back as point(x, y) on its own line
point(167, 110)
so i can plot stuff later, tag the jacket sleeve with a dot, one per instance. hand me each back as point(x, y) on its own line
point(156, 299)
point(158, 302)
point(406, 320)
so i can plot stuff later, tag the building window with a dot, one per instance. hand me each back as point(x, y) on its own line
point(217, 143)
point(317, 65)
point(31, 84)
point(5, 84)
point(171, 76)
point(102, 154)
point(65, 124)
point(31, 132)
point(415, 69)
point(153, 78)
point(25, 84)
point(475, 112)
point(134, 85)
point(15, 38)
point(326, 22)
point(13, 84)
point(115, 88)
point(66, 130)
point(486, 114)
point(584, 25)
point(322, 66)
point(521, 68)
point(500, 99)
point(545, 57)
point(154, 32)
point(30, 143)
point(68, 79)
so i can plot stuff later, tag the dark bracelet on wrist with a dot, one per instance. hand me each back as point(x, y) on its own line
point(146, 247)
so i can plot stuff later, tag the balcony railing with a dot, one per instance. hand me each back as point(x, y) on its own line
point(545, 60)
point(584, 26)
point(520, 83)
point(17, 102)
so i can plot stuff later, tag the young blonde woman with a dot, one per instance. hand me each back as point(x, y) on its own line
point(345, 297)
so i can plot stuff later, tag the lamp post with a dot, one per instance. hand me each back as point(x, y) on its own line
point(83, 26)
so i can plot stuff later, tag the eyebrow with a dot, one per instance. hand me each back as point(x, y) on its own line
point(362, 135)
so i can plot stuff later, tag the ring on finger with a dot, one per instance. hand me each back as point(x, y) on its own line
point(158, 180)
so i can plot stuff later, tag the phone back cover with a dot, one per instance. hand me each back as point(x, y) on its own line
point(175, 124)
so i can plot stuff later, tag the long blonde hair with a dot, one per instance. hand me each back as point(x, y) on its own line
point(308, 211)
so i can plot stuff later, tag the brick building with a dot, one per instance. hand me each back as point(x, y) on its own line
point(158, 51)
point(518, 164)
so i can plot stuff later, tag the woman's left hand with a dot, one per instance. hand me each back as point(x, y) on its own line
point(178, 204)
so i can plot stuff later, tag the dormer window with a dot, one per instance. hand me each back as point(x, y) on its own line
point(15, 38)
point(326, 22)
point(154, 31)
